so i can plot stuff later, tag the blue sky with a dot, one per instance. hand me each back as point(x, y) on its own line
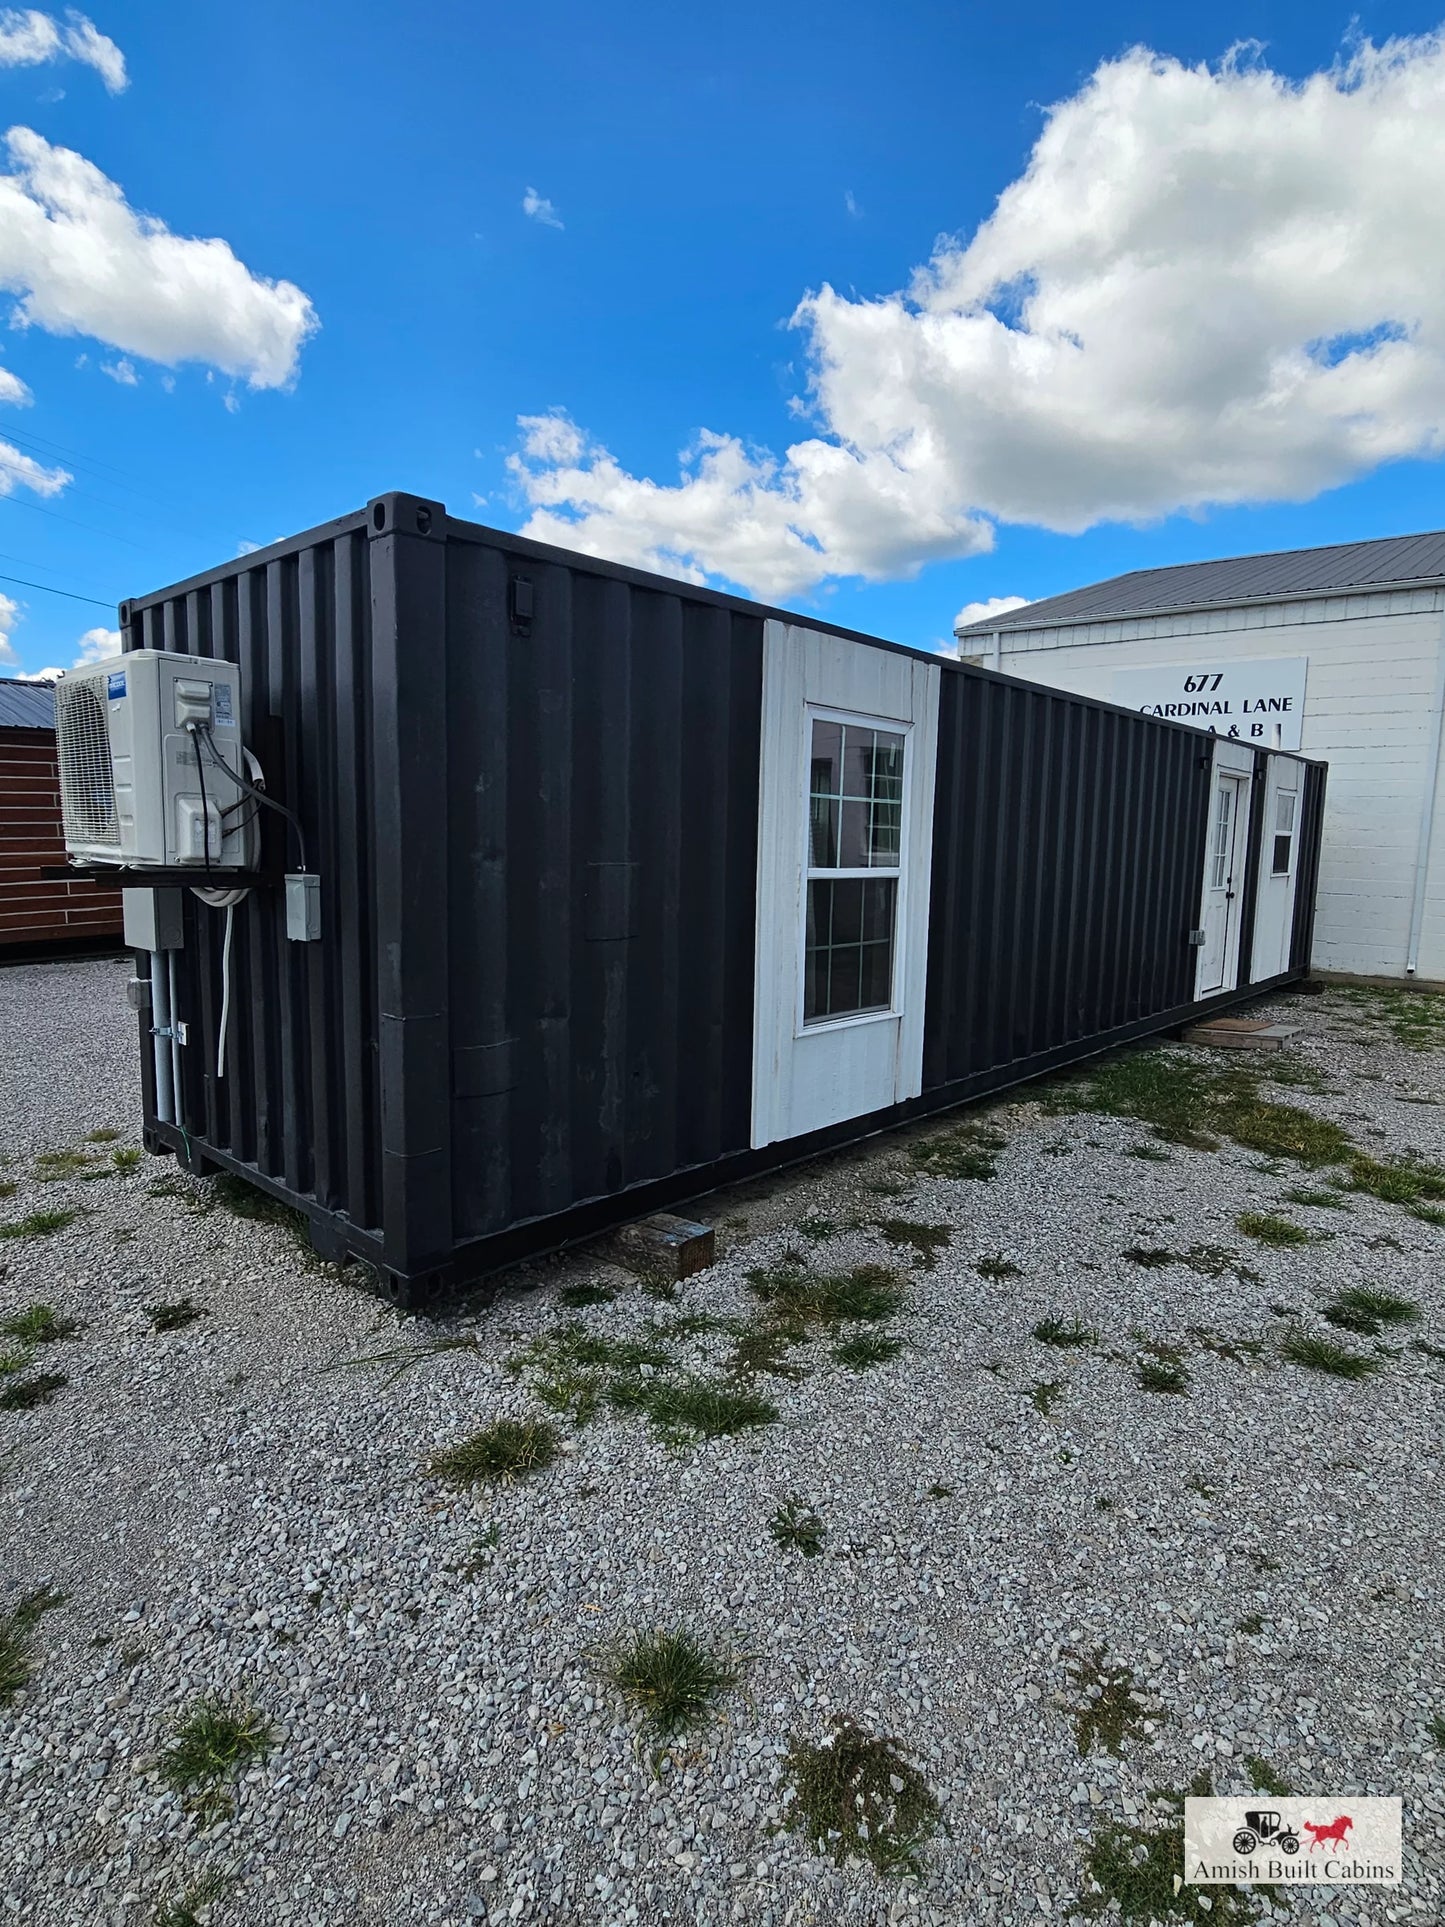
point(693, 176)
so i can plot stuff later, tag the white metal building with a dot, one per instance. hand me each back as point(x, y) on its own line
point(1338, 652)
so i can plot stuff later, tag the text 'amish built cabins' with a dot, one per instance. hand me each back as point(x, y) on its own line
point(539, 893)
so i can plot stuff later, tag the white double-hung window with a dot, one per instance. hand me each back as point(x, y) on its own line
point(854, 865)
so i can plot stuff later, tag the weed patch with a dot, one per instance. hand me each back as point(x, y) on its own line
point(210, 1745)
point(1152, 1153)
point(1323, 1355)
point(1406, 1180)
point(996, 1267)
point(856, 1794)
point(815, 1227)
point(1150, 1257)
point(1053, 1331)
point(684, 1409)
point(39, 1325)
point(1317, 1200)
point(1110, 1712)
point(1046, 1395)
point(576, 1296)
point(17, 1639)
point(798, 1526)
point(53, 1166)
point(38, 1224)
point(1264, 1779)
point(867, 1349)
point(867, 1293)
point(1415, 1018)
point(927, 1240)
point(967, 1153)
point(505, 1450)
point(1164, 1374)
point(174, 1318)
point(765, 1349)
point(671, 1680)
point(26, 1393)
point(1366, 1311)
point(126, 1159)
point(1137, 1873)
point(1267, 1228)
point(184, 1909)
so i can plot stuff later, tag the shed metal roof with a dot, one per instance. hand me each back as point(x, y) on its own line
point(27, 705)
point(1391, 562)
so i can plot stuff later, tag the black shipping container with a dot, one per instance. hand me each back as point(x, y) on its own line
point(630, 888)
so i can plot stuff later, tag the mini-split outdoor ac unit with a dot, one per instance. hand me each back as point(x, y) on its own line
point(151, 763)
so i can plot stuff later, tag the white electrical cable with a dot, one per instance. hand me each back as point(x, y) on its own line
point(225, 991)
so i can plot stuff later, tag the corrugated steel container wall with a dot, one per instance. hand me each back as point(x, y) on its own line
point(529, 782)
point(40, 913)
point(1307, 881)
point(601, 805)
point(301, 1099)
point(1068, 843)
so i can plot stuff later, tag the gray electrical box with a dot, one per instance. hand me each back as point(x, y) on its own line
point(303, 907)
point(152, 919)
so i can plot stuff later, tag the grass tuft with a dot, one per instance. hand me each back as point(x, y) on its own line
point(1268, 1228)
point(26, 1393)
point(1316, 1200)
point(38, 1325)
point(855, 1794)
point(867, 1293)
point(1053, 1331)
point(1110, 1711)
point(1166, 1373)
point(1264, 1779)
point(1138, 1874)
point(967, 1153)
point(505, 1450)
point(1046, 1395)
point(1323, 1355)
point(996, 1267)
point(38, 1224)
point(927, 1240)
point(671, 1680)
point(186, 1907)
point(867, 1349)
point(681, 1410)
point(797, 1525)
point(576, 1296)
point(17, 1639)
point(1364, 1310)
point(212, 1743)
point(173, 1318)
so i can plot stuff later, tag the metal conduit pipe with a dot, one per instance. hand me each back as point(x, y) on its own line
point(175, 1043)
point(160, 1038)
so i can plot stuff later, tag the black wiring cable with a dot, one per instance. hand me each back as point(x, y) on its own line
point(205, 808)
point(260, 795)
point(72, 595)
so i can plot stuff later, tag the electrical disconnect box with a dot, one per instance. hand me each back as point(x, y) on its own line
point(151, 763)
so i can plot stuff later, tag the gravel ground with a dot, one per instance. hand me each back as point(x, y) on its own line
point(225, 1512)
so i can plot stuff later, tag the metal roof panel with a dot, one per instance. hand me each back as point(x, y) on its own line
point(27, 705)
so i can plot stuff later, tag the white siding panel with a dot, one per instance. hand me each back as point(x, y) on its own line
point(1368, 711)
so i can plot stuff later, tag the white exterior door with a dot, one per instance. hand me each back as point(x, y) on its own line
point(845, 832)
point(1224, 861)
point(1278, 865)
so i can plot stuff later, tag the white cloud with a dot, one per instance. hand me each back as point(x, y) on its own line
point(29, 38)
point(21, 471)
point(851, 204)
point(996, 605)
point(538, 208)
point(122, 371)
point(9, 616)
point(96, 644)
point(39, 675)
point(244, 547)
point(13, 391)
point(83, 261)
point(1209, 285)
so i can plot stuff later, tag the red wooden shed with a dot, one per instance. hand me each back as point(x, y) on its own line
point(38, 916)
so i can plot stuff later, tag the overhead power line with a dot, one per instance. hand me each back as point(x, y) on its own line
point(74, 595)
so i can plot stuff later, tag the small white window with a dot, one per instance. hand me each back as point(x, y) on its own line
point(855, 849)
point(1284, 813)
point(1223, 822)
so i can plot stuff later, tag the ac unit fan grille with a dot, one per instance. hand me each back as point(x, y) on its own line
point(87, 785)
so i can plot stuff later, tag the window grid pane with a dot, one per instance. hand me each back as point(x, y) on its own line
point(848, 966)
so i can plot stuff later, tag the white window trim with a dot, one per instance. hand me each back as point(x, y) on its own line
point(816, 712)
